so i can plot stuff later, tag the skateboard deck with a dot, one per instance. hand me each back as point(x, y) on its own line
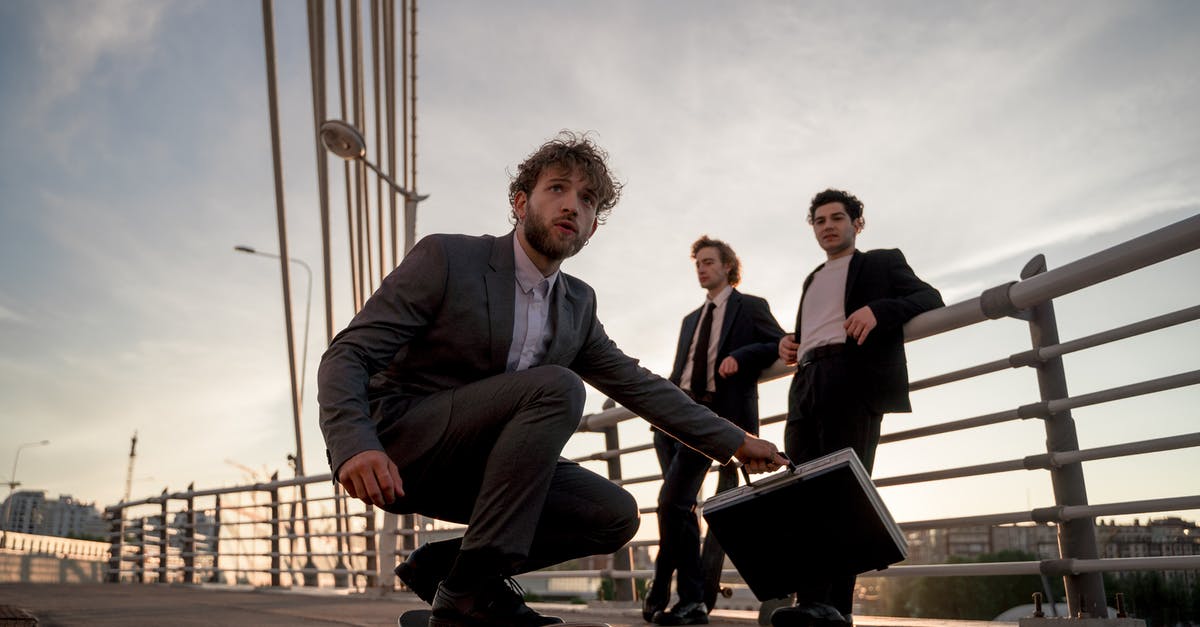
point(420, 618)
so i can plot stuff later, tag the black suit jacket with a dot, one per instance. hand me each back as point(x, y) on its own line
point(883, 280)
point(444, 318)
point(750, 334)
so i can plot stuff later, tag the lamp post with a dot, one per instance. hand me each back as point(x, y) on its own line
point(12, 478)
point(345, 141)
point(309, 567)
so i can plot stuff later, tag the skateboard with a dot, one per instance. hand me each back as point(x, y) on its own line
point(420, 618)
point(712, 558)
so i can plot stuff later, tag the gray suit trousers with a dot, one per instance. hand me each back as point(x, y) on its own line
point(497, 468)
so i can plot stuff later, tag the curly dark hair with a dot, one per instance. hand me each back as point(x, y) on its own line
point(854, 206)
point(573, 152)
point(728, 257)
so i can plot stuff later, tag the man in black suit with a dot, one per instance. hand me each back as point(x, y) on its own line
point(849, 345)
point(723, 347)
point(453, 391)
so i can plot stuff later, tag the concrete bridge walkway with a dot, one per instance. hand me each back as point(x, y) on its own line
point(136, 605)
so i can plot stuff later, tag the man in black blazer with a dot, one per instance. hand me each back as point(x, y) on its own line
point(453, 391)
point(723, 348)
point(849, 346)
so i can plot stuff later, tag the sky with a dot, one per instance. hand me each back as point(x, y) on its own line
point(136, 154)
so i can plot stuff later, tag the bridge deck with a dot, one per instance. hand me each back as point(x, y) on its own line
point(152, 604)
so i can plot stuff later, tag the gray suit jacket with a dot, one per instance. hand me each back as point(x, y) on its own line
point(443, 319)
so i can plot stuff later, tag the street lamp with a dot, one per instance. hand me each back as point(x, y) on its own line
point(298, 469)
point(345, 141)
point(307, 310)
point(12, 478)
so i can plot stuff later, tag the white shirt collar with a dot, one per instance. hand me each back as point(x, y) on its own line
point(528, 276)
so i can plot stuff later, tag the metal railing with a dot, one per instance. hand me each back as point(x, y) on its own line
point(253, 534)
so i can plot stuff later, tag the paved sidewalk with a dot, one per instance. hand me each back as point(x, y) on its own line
point(151, 605)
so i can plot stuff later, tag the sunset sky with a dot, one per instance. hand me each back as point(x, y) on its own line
point(136, 154)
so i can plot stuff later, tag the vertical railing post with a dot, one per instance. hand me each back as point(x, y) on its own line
point(374, 560)
point(141, 553)
point(215, 541)
point(276, 534)
point(189, 538)
point(163, 540)
point(341, 578)
point(1076, 538)
point(623, 589)
point(116, 535)
point(387, 547)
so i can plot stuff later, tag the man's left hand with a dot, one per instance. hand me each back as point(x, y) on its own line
point(860, 323)
point(728, 367)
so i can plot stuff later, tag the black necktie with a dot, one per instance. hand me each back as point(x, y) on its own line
point(700, 352)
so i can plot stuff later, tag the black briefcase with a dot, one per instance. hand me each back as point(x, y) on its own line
point(823, 516)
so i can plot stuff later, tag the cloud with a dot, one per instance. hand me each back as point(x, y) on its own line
point(75, 41)
point(8, 315)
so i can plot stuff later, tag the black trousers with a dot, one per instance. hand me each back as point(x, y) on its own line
point(683, 472)
point(497, 468)
point(827, 412)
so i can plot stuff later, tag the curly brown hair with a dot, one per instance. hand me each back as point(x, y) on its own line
point(854, 206)
point(728, 257)
point(574, 152)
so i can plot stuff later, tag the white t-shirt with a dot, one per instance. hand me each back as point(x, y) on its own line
point(823, 315)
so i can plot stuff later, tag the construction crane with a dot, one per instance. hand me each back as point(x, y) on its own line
point(129, 471)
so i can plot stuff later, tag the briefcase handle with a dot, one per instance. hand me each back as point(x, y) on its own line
point(790, 465)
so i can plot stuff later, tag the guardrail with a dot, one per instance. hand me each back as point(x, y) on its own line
point(264, 534)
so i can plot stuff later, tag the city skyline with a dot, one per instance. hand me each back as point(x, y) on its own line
point(977, 135)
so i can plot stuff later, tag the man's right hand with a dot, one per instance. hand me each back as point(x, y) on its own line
point(759, 455)
point(788, 348)
point(371, 477)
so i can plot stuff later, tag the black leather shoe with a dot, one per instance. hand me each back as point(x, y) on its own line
point(690, 613)
point(426, 567)
point(500, 604)
point(653, 604)
point(809, 614)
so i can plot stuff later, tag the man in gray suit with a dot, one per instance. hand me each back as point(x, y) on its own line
point(452, 393)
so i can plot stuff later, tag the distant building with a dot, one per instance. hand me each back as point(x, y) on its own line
point(29, 511)
point(1157, 537)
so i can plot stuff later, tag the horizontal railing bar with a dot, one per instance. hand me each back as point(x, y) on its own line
point(1045, 461)
point(968, 521)
point(1140, 388)
point(952, 473)
point(1045, 353)
point(984, 420)
point(1036, 410)
point(1170, 241)
point(1156, 445)
point(1057, 514)
point(1120, 333)
point(961, 374)
point(1044, 567)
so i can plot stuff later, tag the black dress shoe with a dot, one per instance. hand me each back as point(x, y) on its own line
point(426, 567)
point(653, 603)
point(499, 604)
point(690, 613)
point(808, 614)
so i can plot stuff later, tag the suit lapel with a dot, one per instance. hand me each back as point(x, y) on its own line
point(562, 324)
point(856, 264)
point(685, 341)
point(501, 299)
